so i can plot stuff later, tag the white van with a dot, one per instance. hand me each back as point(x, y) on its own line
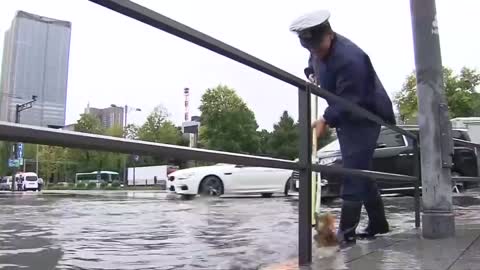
point(29, 180)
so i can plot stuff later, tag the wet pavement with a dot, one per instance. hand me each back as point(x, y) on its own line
point(150, 230)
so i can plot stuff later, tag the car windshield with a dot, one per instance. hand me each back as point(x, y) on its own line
point(331, 147)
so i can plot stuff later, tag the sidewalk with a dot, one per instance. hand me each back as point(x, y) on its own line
point(410, 251)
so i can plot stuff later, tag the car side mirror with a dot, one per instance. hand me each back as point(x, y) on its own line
point(381, 145)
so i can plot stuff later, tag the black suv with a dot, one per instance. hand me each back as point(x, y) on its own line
point(394, 154)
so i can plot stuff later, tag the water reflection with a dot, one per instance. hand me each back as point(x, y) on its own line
point(142, 231)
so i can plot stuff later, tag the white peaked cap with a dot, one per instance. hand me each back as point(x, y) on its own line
point(310, 20)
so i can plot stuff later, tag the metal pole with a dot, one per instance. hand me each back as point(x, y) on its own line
point(305, 193)
point(15, 148)
point(125, 180)
point(436, 141)
point(36, 161)
point(477, 154)
point(134, 166)
point(418, 174)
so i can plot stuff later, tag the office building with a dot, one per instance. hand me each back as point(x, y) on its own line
point(35, 63)
point(111, 116)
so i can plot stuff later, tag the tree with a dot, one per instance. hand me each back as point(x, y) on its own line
point(159, 129)
point(283, 142)
point(131, 131)
point(264, 140)
point(53, 161)
point(108, 160)
point(462, 99)
point(89, 123)
point(227, 123)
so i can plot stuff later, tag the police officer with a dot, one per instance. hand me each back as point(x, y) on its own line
point(341, 67)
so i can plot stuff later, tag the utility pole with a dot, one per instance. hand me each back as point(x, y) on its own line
point(436, 142)
point(18, 109)
point(125, 112)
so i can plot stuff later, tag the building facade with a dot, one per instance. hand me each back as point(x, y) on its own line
point(35, 63)
point(110, 117)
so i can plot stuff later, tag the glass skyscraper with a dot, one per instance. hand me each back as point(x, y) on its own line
point(35, 62)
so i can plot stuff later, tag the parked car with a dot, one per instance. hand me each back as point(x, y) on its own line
point(6, 183)
point(394, 154)
point(229, 179)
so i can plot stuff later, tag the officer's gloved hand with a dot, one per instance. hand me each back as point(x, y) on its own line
point(310, 74)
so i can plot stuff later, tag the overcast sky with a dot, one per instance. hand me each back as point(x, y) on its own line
point(114, 59)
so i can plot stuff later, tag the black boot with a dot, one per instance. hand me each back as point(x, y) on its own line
point(349, 220)
point(377, 222)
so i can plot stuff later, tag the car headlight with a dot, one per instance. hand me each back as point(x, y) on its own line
point(328, 161)
point(185, 175)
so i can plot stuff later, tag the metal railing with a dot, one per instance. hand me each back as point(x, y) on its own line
point(38, 135)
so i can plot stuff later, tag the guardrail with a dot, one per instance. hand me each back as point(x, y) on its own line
point(29, 134)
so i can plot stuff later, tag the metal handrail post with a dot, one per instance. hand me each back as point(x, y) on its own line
point(305, 171)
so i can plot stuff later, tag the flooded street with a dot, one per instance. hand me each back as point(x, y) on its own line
point(152, 231)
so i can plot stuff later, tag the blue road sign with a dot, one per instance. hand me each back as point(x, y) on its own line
point(20, 151)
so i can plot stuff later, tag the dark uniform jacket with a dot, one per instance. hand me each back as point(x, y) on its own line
point(348, 72)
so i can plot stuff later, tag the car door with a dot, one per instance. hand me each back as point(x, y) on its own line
point(393, 155)
point(248, 179)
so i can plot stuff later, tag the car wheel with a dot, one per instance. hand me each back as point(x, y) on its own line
point(267, 195)
point(211, 186)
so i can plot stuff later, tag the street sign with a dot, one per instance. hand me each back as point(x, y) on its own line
point(13, 163)
point(20, 150)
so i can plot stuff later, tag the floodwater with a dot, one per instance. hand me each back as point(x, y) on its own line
point(138, 230)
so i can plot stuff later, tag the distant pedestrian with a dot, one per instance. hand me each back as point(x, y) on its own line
point(40, 184)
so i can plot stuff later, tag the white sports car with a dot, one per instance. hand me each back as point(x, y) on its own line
point(229, 179)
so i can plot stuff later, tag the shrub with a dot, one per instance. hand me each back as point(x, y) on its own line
point(92, 185)
point(103, 185)
point(80, 186)
point(116, 184)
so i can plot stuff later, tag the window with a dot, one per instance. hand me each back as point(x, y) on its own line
point(458, 134)
point(31, 178)
point(391, 139)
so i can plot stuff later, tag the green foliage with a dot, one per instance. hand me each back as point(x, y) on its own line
point(283, 142)
point(80, 186)
point(89, 123)
point(227, 123)
point(131, 131)
point(103, 185)
point(116, 184)
point(159, 129)
point(91, 185)
point(4, 155)
point(462, 99)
